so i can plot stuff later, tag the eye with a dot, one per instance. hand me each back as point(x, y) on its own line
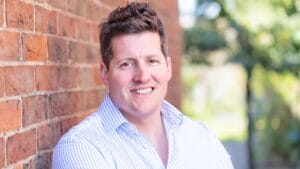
point(153, 61)
point(126, 64)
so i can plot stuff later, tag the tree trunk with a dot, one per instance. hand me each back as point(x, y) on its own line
point(250, 120)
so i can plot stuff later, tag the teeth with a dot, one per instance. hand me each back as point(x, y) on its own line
point(143, 91)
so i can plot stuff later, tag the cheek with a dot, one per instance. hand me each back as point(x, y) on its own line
point(163, 73)
point(119, 80)
point(162, 76)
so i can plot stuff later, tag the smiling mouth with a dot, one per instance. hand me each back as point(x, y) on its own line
point(143, 91)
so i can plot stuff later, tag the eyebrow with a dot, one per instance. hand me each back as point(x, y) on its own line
point(125, 59)
point(152, 56)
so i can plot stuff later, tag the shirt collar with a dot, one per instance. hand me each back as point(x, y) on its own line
point(111, 115)
point(171, 114)
point(114, 119)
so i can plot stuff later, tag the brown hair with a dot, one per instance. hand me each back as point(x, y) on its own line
point(134, 18)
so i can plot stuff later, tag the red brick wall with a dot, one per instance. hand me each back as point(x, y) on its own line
point(49, 75)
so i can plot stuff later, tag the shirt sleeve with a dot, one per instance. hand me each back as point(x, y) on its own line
point(76, 155)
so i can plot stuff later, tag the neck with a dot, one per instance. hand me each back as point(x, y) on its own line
point(149, 127)
point(148, 124)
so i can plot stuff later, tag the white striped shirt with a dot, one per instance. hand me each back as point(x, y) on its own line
point(107, 140)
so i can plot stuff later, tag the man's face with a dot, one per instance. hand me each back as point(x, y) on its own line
point(138, 75)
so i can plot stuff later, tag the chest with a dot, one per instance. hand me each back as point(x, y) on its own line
point(183, 152)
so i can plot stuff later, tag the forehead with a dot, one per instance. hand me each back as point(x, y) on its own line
point(138, 44)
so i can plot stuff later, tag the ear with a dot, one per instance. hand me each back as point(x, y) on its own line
point(169, 67)
point(104, 74)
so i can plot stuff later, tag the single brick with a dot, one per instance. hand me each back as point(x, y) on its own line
point(19, 14)
point(2, 81)
point(77, 52)
point(89, 77)
point(34, 47)
point(59, 104)
point(66, 26)
point(10, 115)
point(45, 20)
point(93, 98)
point(48, 135)
point(87, 34)
point(1, 15)
point(57, 50)
point(92, 54)
point(19, 79)
point(47, 78)
point(2, 152)
point(76, 102)
point(55, 77)
point(66, 103)
point(67, 77)
point(20, 146)
point(93, 11)
point(34, 109)
point(86, 77)
point(10, 46)
point(83, 10)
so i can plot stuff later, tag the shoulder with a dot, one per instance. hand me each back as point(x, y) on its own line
point(197, 138)
point(88, 135)
point(199, 131)
point(86, 132)
point(183, 125)
point(83, 145)
point(205, 136)
point(195, 126)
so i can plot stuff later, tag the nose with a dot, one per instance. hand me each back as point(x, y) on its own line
point(141, 74)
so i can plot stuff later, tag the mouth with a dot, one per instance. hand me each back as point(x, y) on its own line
point(143, 91)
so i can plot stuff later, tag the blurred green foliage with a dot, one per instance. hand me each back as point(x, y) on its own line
point(267, 33)
point(264, 37)
point(276, 99)
point(217, 105)
point(201, 38)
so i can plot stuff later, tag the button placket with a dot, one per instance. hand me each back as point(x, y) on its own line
point(149, 152)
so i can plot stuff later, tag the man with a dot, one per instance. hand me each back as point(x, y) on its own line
point(135, 127)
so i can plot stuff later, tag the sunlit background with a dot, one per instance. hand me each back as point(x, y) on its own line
point(241, 76)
